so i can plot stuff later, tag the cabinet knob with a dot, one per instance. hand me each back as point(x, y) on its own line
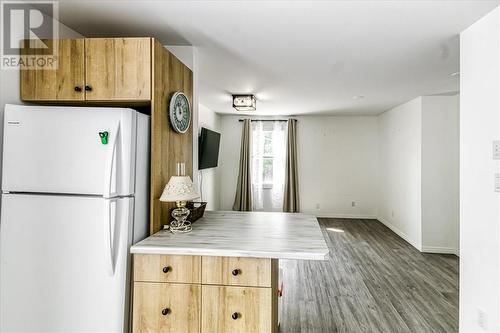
point(167, 269)
point(78, 88)
point(88, 88)
point(165, 311)
point(235, 272)
point(235, 315)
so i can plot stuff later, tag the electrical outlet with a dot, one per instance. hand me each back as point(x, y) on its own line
point(496, 150)
point(353, 204)
point(317, 206)
point(482, 318)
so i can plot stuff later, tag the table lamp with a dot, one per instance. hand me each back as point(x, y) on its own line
point(179, 189)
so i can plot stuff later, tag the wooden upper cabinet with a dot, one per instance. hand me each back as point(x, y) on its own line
point(66, 83)
point(118, 69)
point(92, 69)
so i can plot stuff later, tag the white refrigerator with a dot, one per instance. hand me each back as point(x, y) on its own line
point(74, 199)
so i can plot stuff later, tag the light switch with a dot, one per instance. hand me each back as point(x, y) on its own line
point(497, 182)
point(496, 150)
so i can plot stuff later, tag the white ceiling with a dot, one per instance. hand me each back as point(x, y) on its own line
point(300, 57)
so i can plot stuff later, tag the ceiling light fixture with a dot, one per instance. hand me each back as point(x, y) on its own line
point(244, 102)
point(358, 97)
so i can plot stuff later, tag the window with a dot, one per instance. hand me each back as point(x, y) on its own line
point(267, 158)
point(268, 164)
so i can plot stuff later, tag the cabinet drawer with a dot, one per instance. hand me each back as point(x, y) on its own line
point(166, 307)
point(166, 268)
point(234, 271)
point(236, 309)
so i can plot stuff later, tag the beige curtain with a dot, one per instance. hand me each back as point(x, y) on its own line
point(291, 192)
point(243, 199)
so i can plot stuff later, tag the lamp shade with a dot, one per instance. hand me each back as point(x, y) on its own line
point(179, 188)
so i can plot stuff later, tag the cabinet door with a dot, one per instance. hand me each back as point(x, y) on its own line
point(166, 307)
point(118, 69)
point(65, 83)
point(238, 310)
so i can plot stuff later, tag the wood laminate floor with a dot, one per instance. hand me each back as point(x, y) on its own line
point(374, 281)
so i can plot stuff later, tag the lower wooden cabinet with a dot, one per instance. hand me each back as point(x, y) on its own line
point(166, 307)
point(187, 294)
point(237, 310)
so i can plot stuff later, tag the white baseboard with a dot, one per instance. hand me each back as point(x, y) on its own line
point(425, 249)
point(440, 250)
point(400, 233)
point(341, 216)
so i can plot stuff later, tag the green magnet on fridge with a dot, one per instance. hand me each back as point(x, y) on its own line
point(104, 137)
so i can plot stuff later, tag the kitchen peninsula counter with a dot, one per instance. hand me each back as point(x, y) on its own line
point(223, 276)
point(243, 234)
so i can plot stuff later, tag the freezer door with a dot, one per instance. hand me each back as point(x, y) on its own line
point(70, 150)
point(64, 263)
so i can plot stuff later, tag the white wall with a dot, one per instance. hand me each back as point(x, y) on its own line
point(337, 162)
point(185, 53)
point(479, 204)
point(400, 146)
point(419, 164)
point(338, 165)
point(210, 186)
point(440, 173)
point(229, 155)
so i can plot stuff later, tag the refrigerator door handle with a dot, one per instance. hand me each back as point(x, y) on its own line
point(109, 226)
point(110, 165)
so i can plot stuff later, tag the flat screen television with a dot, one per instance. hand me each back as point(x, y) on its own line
point(208, 149)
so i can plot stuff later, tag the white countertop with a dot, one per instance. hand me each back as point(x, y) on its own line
point(243, 234)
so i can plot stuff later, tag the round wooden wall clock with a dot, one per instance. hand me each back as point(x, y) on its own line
point(180, 112)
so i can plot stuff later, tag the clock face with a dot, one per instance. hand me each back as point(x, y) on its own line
point(180, 112)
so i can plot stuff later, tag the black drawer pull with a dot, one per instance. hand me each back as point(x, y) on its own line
point(235, 315)
point(78, 88)
point(165, 311)
point(167, 269)
point(235, 272)
point(88, 88)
